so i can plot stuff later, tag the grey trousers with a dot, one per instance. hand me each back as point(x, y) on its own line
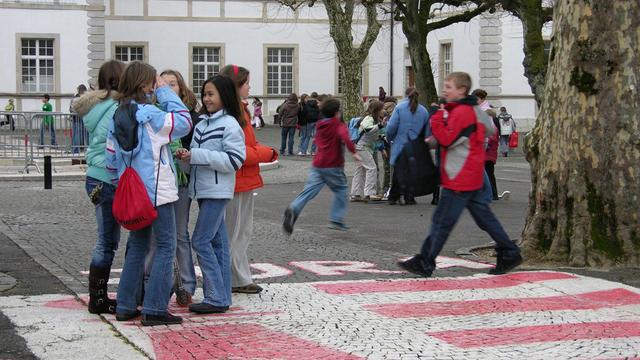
point(239, 221)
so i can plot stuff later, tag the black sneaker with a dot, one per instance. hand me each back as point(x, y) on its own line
point(414, 265)
point(289, 221)
point(203, 308)
point(127, 316)
point(338, 226)
point(166, 319)
point(504, 266)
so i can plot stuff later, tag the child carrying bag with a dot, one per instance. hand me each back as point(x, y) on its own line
point(132, 207)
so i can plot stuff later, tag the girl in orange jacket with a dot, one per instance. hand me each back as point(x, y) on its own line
point(239, 216)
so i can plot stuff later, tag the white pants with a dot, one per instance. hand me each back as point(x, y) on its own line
point(366, 175)
point(239, 221)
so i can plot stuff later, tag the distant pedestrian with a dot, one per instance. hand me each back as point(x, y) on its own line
point(381, 94)
point(332, 136)
point(96, 108)
point(139, 137)
point(47, 121)
point(257, 121)
point(288, 115)
point(217, 152)
point(77, 126)
point(239, 212)
point(365, 177)
point(408, 120)
point(9, 108)
point(309, 116)
point(481, 94)
point(491, 156)
point(461, 135)
point(507, 127)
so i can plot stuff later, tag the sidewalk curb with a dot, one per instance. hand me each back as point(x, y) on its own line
point(80, 176)
point(7, 282)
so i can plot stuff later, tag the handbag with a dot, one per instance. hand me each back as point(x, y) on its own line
point(513, 140)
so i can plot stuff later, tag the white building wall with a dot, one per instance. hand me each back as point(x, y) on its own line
point(70, 26)
point(243, 28)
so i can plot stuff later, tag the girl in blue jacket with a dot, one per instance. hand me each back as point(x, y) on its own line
point(139, 137)
point(217, 152)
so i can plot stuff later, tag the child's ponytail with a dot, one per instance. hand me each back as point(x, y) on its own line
point(413, 95)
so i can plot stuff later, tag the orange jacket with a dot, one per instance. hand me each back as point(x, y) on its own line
point(248, 176)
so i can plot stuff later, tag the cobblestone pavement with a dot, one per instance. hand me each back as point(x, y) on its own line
point(537, 315)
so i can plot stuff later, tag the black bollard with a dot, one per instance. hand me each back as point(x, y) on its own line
point(47, 172)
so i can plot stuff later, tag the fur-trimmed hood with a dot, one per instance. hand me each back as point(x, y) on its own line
point(86, 102)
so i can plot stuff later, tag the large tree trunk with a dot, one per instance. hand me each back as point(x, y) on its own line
point(351, 80)
point(422, 71)
point(585, 149)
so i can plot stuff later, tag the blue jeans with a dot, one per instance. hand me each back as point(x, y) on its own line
point(318, 178)
point(183, 249)
point(449, 209)
point(184, 258)
point(108, 227)
point(306, 132)
point(158, 289)
point(211, 244)
point(77, 134)
point(285, 132)
point(52, 131)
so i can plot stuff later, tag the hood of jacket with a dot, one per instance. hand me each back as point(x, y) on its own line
point(85, 103)
point(481, 115)
point(126, 126)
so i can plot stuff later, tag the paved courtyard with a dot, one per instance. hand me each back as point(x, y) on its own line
point(327, 294)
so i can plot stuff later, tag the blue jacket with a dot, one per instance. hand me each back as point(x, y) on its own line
point(217, 152)
point(404, 126)
point(151, 157)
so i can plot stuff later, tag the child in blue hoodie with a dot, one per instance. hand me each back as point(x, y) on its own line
point(139, 137)
point(217, 152)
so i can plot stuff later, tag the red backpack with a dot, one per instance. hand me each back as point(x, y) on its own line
point(131, 207)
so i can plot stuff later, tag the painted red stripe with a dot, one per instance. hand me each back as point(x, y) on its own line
point(489, 282)
point(586, 301)
point(540, 333)
point(238, 341)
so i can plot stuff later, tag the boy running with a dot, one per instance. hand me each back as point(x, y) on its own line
point(327, 169)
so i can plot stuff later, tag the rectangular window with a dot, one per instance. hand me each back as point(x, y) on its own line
point(37, 65)
point(205, 63)
point(341, 76)
point(129, 53)
point(279, 71)
point(446, 61)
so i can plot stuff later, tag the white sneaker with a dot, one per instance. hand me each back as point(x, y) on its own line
point(300, 153)
point(505, 195)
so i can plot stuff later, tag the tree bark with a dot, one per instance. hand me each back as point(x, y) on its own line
point(584, 151)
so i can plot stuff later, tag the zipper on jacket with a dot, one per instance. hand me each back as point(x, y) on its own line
point(195, 181)
point(216, 173)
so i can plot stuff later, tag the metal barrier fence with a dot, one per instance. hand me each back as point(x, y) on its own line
point(33, 135)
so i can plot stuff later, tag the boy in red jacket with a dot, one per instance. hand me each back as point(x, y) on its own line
point(327, 169)
point(460, 135)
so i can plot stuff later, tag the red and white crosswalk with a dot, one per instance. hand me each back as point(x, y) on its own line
point(537, 315)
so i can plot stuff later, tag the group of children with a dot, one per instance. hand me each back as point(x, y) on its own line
point(458, 129)
point(149, 122)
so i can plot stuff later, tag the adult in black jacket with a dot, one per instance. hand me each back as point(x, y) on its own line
point(309, 114)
